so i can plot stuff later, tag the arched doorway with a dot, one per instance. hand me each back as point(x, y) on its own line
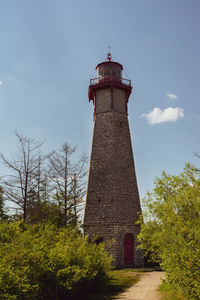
point(128, 249)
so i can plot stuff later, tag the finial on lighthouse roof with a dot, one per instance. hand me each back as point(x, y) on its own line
point(109, 56)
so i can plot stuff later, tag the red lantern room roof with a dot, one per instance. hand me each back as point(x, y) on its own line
point(109, 61)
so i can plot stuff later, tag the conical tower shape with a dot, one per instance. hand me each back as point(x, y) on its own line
point(112, 202)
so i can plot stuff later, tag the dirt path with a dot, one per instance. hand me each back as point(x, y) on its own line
point(145, 289)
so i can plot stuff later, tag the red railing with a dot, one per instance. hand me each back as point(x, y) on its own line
point(99, 80)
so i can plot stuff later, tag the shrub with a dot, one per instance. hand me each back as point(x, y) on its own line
point(172, 230)
point(43, 262)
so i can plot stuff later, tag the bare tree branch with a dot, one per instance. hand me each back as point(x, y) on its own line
point(24, 183)
point(67, 178)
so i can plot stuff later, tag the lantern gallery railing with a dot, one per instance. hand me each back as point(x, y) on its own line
point(98, 80)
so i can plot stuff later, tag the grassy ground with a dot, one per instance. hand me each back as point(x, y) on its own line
point(119, 281)
point(168, 293)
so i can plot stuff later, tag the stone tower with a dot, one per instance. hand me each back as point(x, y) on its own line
point(112, 203)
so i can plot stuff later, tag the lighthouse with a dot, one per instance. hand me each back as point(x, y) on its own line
point(112, 201)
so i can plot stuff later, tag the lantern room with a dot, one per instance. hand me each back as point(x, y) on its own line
point(109, 69)
point(110, 81)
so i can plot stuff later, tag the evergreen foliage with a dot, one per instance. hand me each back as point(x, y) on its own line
point(44, 262)
point(171, 231)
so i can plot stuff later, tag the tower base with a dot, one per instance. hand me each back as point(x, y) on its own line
point(120, 241)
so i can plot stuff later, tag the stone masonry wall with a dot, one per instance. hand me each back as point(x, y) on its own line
point(112, 194)
point(119, 100)
point(103, 102)
point(113, 237)
point(112, 202)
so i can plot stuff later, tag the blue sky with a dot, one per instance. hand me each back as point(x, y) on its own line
point(49, 51)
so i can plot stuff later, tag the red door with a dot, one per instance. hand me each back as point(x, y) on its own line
point(128, 249)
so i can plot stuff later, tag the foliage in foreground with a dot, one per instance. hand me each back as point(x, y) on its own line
point(169, 293)
point(43, 262)
point(172, 230)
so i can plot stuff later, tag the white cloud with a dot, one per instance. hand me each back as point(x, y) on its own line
point(1, 83)
point(157, 115)
point(172, 96)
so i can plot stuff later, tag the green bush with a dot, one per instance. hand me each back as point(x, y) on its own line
point(172, 230)
point(43, 262)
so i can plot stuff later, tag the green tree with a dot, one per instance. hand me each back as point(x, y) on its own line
point(171, 231)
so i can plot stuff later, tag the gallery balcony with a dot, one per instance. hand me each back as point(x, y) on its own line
point(113, 79)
